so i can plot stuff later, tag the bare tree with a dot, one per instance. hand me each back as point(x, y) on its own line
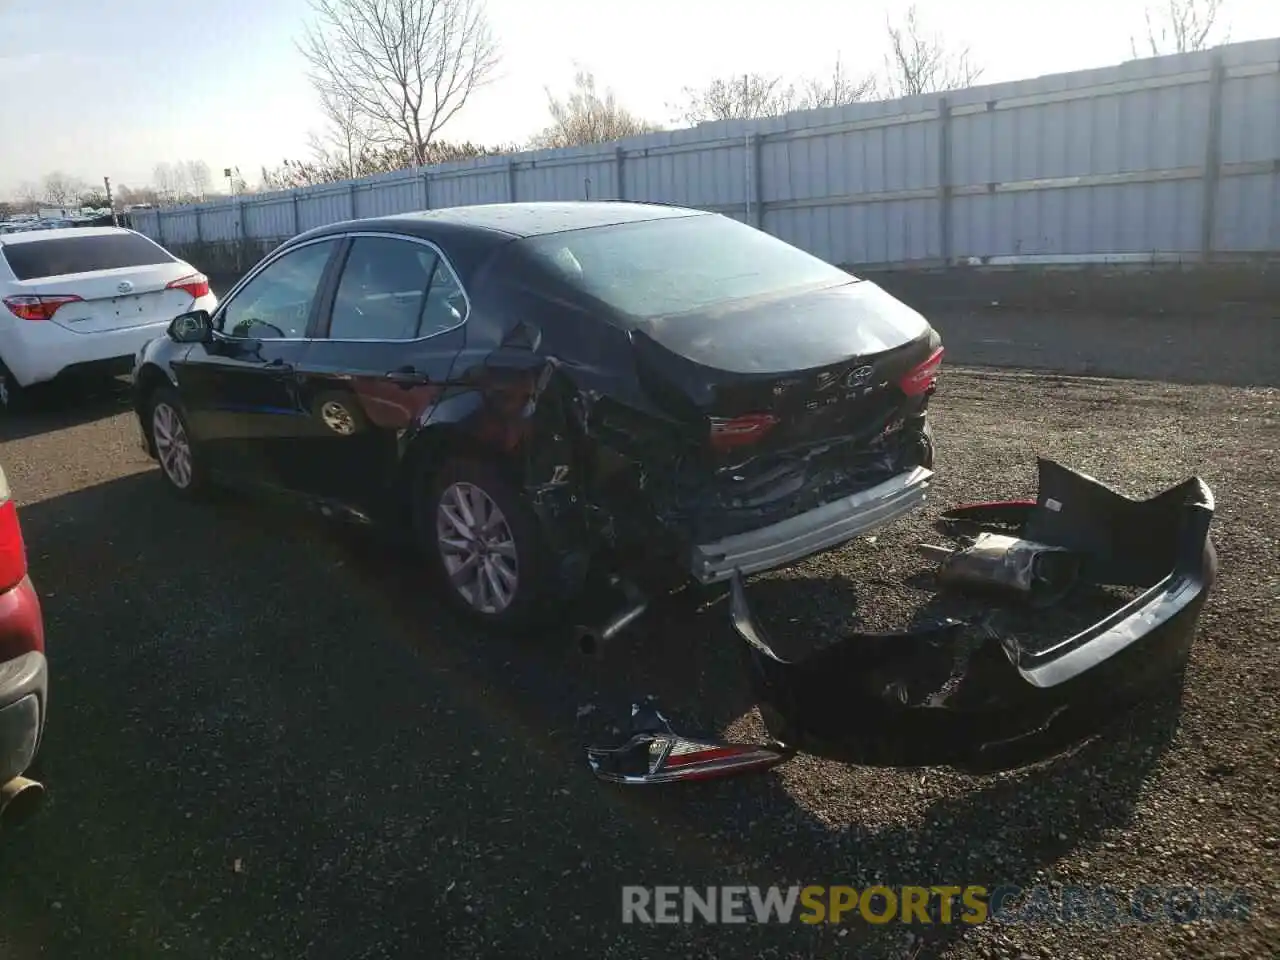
point(919, 61)
point(587, 115)
point(346, 137)
point(837, 90)
point(403, 67)
point(1180, 26)
point(28, 198)
point(199, 176)
point(737, 98)
point(165, 182)
point(61, 189)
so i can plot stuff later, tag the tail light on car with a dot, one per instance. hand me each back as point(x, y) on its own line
point(38, 308)
point(197, 284)
point(923, 378)
point(13, 553)
point(729, 434)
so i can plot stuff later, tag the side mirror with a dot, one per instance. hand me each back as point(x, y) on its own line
point(193, 327)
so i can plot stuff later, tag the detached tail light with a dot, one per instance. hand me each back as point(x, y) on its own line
point(668, 757)
point(920, 380)
point(38, 308)
point(197, 284)
point(13, 552)
point(729, 434)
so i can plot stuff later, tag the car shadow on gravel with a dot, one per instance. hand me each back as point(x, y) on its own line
point(48, 408)
point(251, 704)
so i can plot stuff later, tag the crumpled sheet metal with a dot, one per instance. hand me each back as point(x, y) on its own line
point(906, 698)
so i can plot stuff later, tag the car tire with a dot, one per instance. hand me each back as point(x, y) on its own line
point(183, 474)
point(13, 398)
point(498, 579)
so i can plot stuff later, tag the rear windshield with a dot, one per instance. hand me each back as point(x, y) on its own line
point(35, 259)
point(678, 265)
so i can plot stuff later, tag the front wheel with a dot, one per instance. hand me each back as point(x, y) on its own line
point(485, 545)
point(175, 448)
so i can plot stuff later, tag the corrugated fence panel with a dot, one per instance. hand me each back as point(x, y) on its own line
point(383, 198)
point(270, 218)
point(456, 188)
point(1089, 164)
point(1247, 214)
point(588, 178)
point(318, 206)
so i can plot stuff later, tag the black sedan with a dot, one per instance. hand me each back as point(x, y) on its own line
point(539, 392)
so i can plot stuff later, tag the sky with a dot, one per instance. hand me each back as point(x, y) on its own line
point(97, 88)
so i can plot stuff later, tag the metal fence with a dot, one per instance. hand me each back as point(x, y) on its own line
point(1169, 159)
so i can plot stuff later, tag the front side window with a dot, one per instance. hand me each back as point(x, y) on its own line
point(276, 304)
point(394, 290)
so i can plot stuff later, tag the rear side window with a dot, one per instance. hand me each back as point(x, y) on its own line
point(36, 259)
point(677, 265)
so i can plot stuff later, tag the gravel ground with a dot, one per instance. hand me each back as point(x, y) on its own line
point(269, 740)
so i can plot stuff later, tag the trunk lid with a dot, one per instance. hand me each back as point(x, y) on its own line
point(114, 299)
point(811, 368)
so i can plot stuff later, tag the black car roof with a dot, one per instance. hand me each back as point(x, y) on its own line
point(469, 234)
point(510, 220)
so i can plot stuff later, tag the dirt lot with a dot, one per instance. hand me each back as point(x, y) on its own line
point(268, 740)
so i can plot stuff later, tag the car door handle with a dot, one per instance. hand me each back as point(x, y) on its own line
point(409, 376)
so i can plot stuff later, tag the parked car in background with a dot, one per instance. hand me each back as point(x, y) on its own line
point(86, 299)
point(537, 390)
point(23, 672)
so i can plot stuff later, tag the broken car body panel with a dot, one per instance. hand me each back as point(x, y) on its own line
point(927, 696)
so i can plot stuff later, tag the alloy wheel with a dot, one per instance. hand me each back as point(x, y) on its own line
point(173, 447)
point(477, 547)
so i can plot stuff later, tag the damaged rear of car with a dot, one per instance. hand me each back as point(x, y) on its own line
point(747, 405)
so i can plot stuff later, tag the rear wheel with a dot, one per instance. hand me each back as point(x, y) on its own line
point(485, 545)
point(174, 445)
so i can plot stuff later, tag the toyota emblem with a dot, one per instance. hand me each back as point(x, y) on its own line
point(125, 286)
point(858, 376)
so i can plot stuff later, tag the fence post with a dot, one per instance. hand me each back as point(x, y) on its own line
point(242, 233)
point(944, 180)
point(511, 181)
point(620, 159)
point(199, 237)
point(1212, 158)
point(757, 180)
point(297, 222)
point(426, 189)
point(351, 199)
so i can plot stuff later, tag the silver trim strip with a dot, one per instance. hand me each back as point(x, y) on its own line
point(282, 251)
point(819, 529)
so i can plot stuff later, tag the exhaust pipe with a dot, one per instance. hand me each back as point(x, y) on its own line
point(592, 638)
point(20, 798)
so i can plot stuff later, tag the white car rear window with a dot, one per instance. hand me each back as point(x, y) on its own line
point(35, 259)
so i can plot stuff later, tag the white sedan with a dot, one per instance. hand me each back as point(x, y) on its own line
point(86, 299)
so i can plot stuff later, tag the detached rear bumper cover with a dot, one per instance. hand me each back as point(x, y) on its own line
point(24, 693)
point(907, 699)
point(819, 529)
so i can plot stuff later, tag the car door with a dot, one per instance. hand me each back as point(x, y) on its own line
point(380, 359)
point(241, 389)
